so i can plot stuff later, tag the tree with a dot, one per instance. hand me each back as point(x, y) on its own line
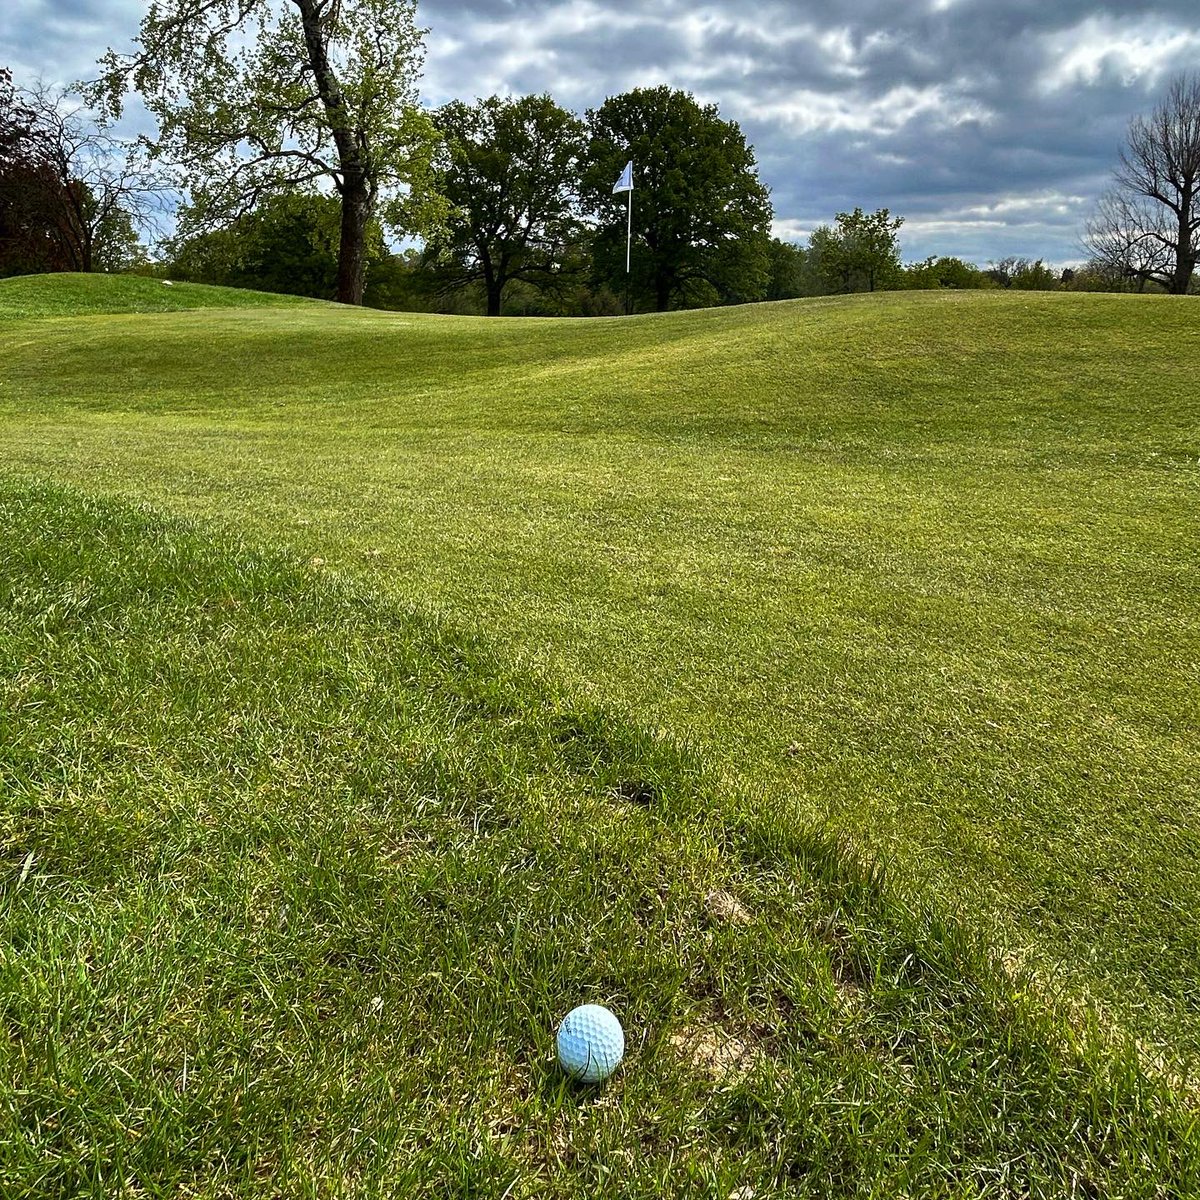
point(397, 281)
point(255, 97)
point(787, 270)
point(98, 193)
point(944, 272)
point(1035, 276)
point(700, 215)
point(71, 196)
point(289, 244)
point(509, 174)
point(1149, 224)
point(1129, 237)
point(1024, 274)
point(1101, 275)
point(25, 239)
point(861, 253)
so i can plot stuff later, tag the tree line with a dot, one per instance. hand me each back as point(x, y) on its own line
point(293, 132)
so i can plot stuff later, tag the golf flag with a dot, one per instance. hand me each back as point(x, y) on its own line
point(625, 183)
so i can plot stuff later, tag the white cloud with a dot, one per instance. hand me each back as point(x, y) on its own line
point(1134, 50)
point(806, 111)
point(1041, 204)
point(792, 231)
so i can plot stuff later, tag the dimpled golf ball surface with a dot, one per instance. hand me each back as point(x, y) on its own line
point(590, 1043)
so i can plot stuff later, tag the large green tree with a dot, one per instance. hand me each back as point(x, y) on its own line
point(289, 243)
point(509, 172)
point(701, 217)
point(254, 97)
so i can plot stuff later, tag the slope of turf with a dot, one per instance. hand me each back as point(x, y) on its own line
point(68, 295)
point(920, 568)
point(296, 885)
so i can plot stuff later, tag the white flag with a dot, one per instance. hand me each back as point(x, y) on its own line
point(625, 183)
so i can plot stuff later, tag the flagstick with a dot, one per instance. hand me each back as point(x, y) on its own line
point(628, 244)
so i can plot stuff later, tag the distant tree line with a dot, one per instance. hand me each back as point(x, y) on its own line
point(293, 130)
point(517, 240)
point(529, 223)
point(813, 270)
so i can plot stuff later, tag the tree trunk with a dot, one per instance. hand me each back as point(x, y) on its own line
point(357, 193)
point(1185, 258)
point(71, 226)
point(493, 284)
point(662, 293)
point(356, 215)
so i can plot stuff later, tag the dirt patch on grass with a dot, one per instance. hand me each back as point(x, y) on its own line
point(714, 1052)
point(726, 909)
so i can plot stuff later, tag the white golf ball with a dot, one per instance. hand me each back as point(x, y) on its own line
point(591, 1043)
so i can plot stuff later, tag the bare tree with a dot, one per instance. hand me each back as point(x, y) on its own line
point(1149, 224)
point(1130, 238)
point(96, 192)
point(72, 196)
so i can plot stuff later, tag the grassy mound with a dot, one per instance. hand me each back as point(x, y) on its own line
point(921, 569)
point(296, 885)
point(69, 295)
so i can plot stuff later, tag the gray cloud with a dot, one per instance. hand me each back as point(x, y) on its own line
point(991, 125)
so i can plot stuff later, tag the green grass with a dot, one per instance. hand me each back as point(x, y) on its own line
point(910, 574)
point(69, 295)
point(298, 885)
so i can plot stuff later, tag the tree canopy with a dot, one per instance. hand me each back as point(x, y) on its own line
point(288, 243)
point(861, 253)
point(701, 217)
point(254, 97)
point(509, 174)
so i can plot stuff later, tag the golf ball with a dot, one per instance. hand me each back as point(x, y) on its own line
point(590, 1043)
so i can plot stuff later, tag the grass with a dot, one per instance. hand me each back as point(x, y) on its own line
point(912, 574)
point(299, 885)
point(73, 295)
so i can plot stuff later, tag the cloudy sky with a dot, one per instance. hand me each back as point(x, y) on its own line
point(989, 125)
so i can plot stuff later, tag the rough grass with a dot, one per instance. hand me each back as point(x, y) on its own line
point(296, 885)
point(919, 571)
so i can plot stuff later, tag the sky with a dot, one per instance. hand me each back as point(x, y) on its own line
point(990, 126)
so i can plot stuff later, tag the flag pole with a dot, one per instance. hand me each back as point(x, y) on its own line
point(628, 244)
point(625, 184)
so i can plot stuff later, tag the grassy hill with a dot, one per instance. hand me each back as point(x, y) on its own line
point(915, 572)
point(73, 295)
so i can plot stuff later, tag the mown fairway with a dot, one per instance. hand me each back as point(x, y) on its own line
point(915, 571)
